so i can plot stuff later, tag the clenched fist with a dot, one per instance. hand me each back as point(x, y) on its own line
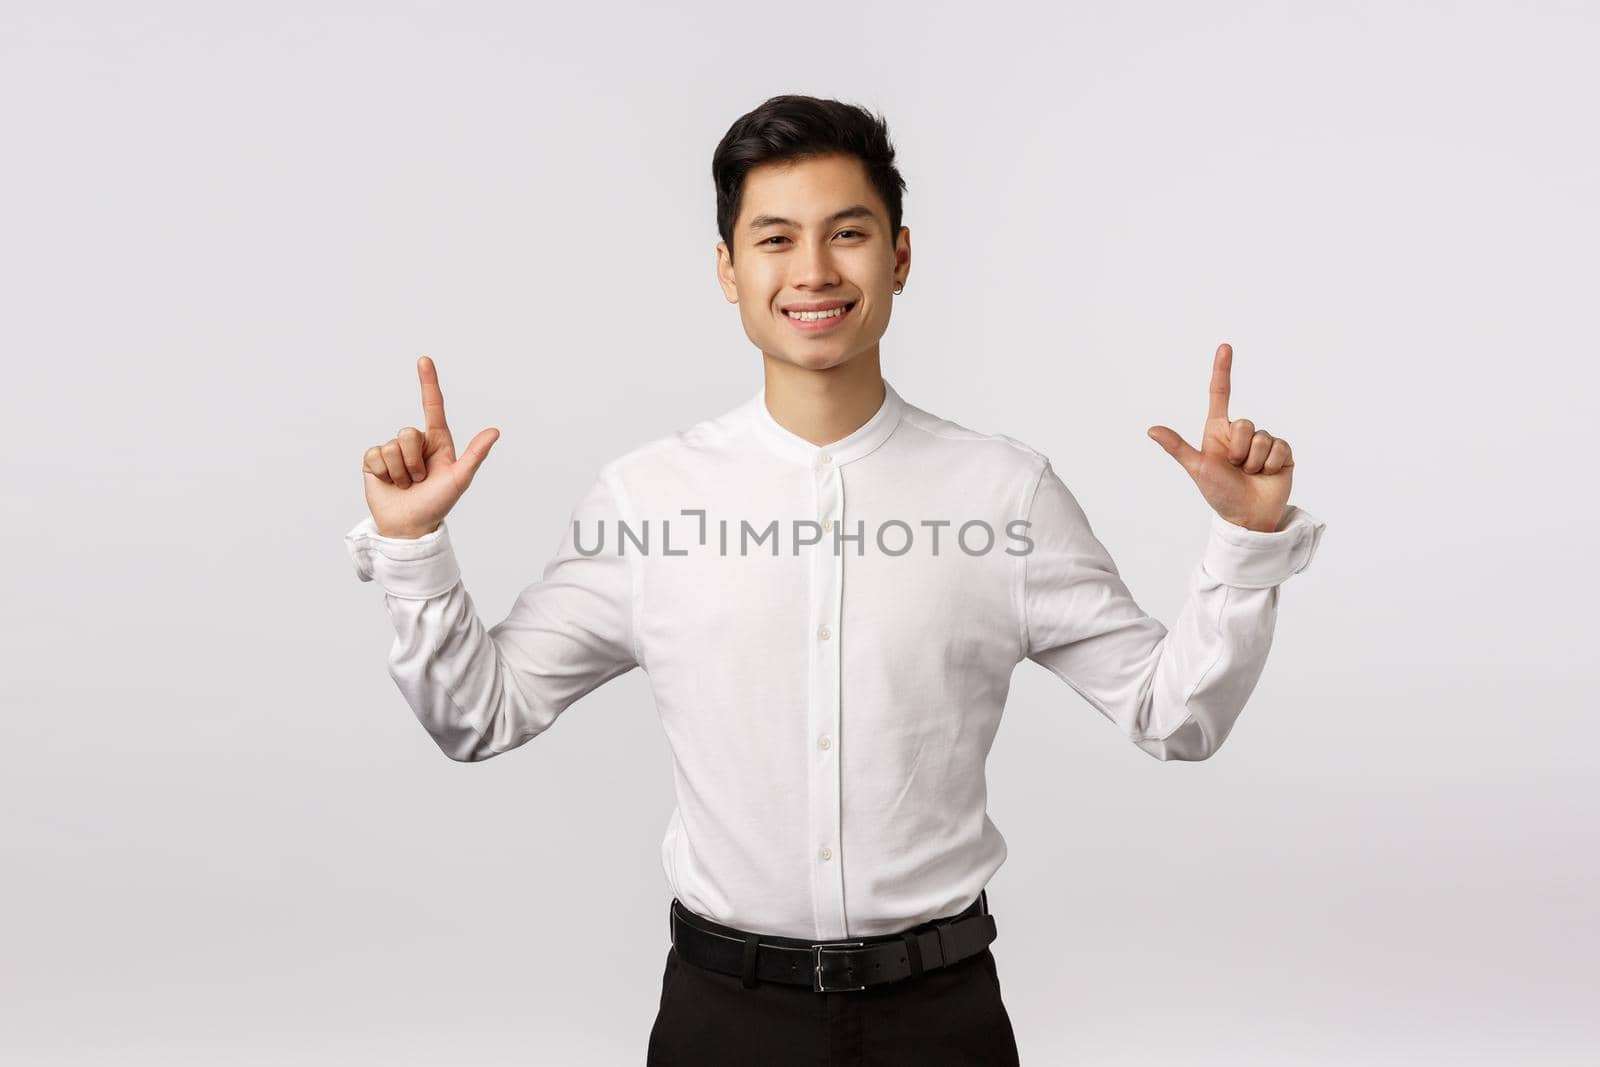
point(414, 479)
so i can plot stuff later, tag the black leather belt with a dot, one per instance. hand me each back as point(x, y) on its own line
point(832, 966)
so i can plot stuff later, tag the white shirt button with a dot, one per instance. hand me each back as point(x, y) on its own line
point(824, 458)
point(824, 633)
point(823, 741)
point(827, 525)
point(825, 852)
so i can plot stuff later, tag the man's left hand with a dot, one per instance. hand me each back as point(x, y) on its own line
point(1244, 473)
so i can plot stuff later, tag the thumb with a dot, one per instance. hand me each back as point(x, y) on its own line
point(478, 450)
point(1176, 446)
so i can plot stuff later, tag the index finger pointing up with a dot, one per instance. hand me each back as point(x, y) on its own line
point(432, 398)
point(1221, 382)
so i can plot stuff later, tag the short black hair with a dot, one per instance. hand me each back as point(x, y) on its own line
point(794, 127)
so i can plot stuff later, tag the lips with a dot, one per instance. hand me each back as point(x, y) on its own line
point(819, 325)
point(817, 305)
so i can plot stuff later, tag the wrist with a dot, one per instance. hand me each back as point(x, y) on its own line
point(1256, 526)
point(405, 533)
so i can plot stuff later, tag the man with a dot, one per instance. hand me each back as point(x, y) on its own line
point(829, 587)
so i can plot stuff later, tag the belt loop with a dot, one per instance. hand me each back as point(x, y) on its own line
point(913, 951)
point(749, 970)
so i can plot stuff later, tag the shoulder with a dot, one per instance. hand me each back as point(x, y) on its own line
point(998, 451)
point(677, 452)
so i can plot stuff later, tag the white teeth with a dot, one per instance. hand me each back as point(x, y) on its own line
point(812, 316)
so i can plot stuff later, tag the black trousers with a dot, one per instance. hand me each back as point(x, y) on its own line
point(948, 1017)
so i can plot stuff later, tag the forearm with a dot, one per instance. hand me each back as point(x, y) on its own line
point(1220, 642)
point(1209, 665)
point(443, 660)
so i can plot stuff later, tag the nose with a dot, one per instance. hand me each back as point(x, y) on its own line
point(814, 268)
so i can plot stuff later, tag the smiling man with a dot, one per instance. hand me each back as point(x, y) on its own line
point(813, 252)
point(829, 588)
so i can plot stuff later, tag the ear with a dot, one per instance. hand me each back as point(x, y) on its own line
point(725, 278)
point(902, 255)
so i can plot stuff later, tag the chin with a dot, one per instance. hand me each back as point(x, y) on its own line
point(817, 360)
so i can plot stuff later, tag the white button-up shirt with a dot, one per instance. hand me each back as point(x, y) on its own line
point(830, 632)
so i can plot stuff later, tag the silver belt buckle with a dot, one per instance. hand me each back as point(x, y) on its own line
point(816, 971)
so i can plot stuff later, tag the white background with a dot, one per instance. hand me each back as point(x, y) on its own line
point(229, 230)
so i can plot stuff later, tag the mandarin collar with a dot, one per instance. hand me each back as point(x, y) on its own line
point(866, 437)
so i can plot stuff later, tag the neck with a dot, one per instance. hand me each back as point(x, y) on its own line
point(826, 405)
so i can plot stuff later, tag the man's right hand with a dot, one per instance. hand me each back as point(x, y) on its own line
point(414, 479)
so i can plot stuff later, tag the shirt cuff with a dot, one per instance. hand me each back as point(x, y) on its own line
point(414, 568)
point(1255, 559)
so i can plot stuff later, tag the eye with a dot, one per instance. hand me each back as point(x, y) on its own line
point(778, 237)
point(858, 233)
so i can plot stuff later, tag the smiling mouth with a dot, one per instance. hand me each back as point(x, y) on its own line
point(813, 320)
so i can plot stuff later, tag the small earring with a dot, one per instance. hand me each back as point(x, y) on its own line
point(899, 288)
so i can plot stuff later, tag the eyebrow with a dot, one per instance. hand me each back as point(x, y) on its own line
point(854, 211)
